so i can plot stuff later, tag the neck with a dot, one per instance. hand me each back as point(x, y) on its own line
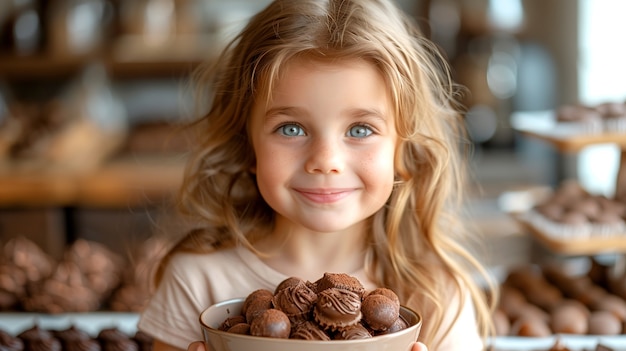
point(298, 252)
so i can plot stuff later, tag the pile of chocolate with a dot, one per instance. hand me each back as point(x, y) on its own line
point(570, 204)
point(603, 117)
point(571, 212)
point(74, 339)
point(89, 277)
point(335, 307)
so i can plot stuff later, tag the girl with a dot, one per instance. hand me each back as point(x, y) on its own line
point(331, 144)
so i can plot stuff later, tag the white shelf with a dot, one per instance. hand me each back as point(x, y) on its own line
point(92, 323)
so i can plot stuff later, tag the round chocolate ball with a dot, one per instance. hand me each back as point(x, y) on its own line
point(604, 323)
point(379, 311)
point(568, 319)
point(271, 323)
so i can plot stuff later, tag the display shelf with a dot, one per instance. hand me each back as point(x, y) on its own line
point(575, 142)
point(568, 138)
point(124, 181)
point(90, 322)
point(55, 67)
point(571, 342)
point(575, 246)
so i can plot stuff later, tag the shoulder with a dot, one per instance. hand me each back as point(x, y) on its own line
point(221, 274)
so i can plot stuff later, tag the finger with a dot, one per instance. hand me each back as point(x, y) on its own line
point(418, 346)
point(196, 346)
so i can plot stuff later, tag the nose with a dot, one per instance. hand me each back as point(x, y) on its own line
point(325, 156)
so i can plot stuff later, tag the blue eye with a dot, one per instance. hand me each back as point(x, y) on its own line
point(359, 131)
point(291, 130)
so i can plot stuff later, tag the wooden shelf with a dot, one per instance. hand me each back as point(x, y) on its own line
point(122, 182)
point(51, 67)
point(574, 143)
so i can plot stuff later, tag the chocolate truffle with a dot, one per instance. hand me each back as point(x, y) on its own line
point(613, 304)
point(574, 218)
point(604, 323)
point(578, 114)
point(386, 292)
point(355, 332)
point(143, 340)
point(512, 301)
point(568, 319)
point(113, 339)
point(231, 321)
point(271, 323)
point(308, 331)
point(22, 264)
point(379, 311)
point(398, 325)
point(256, 303)
point(38, 339)
point(291, 281)
point(35, 333)
point(296, 301)
point(111, 334)
point(240, 328)
point(552, 211)
point(337, 308)
point(9, 342)
point(71, 335)
point(101, 267)
point(340, 281)
point(530, 326)
point(66, 290)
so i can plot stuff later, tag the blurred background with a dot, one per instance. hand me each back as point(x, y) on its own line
point(92, 93)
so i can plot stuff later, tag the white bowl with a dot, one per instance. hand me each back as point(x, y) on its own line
point(217, 340)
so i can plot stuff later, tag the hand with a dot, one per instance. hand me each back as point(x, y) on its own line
point(199, 346)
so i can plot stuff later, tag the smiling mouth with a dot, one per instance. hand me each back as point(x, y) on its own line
point(324, 196)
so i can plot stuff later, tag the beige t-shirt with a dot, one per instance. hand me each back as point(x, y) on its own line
point(192, 282)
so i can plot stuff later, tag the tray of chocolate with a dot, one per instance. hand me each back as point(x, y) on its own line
point(572, 127)
point(578, 306)
point(572, 221)
point(58, 337)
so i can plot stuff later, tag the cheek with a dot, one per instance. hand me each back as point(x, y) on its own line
point(272, 169)
point(380, 168)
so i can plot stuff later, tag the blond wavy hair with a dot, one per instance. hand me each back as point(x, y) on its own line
point(418, 245)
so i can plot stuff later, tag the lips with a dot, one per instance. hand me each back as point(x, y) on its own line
point(325, 196)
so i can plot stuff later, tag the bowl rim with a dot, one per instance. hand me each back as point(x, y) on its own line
point(210, 329)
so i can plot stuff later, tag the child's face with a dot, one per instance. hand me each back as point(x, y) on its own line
point(325, 145)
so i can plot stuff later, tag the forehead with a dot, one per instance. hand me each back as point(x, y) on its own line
point(291, 73)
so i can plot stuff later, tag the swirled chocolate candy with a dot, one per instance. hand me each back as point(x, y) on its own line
point(296, 300)
point(337, 308)
point(355, 332)
point(9, 342)
point(308, 331)
point(38, 339)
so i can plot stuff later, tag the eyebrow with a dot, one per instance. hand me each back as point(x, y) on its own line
point(292, 111)
point(283, 110)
